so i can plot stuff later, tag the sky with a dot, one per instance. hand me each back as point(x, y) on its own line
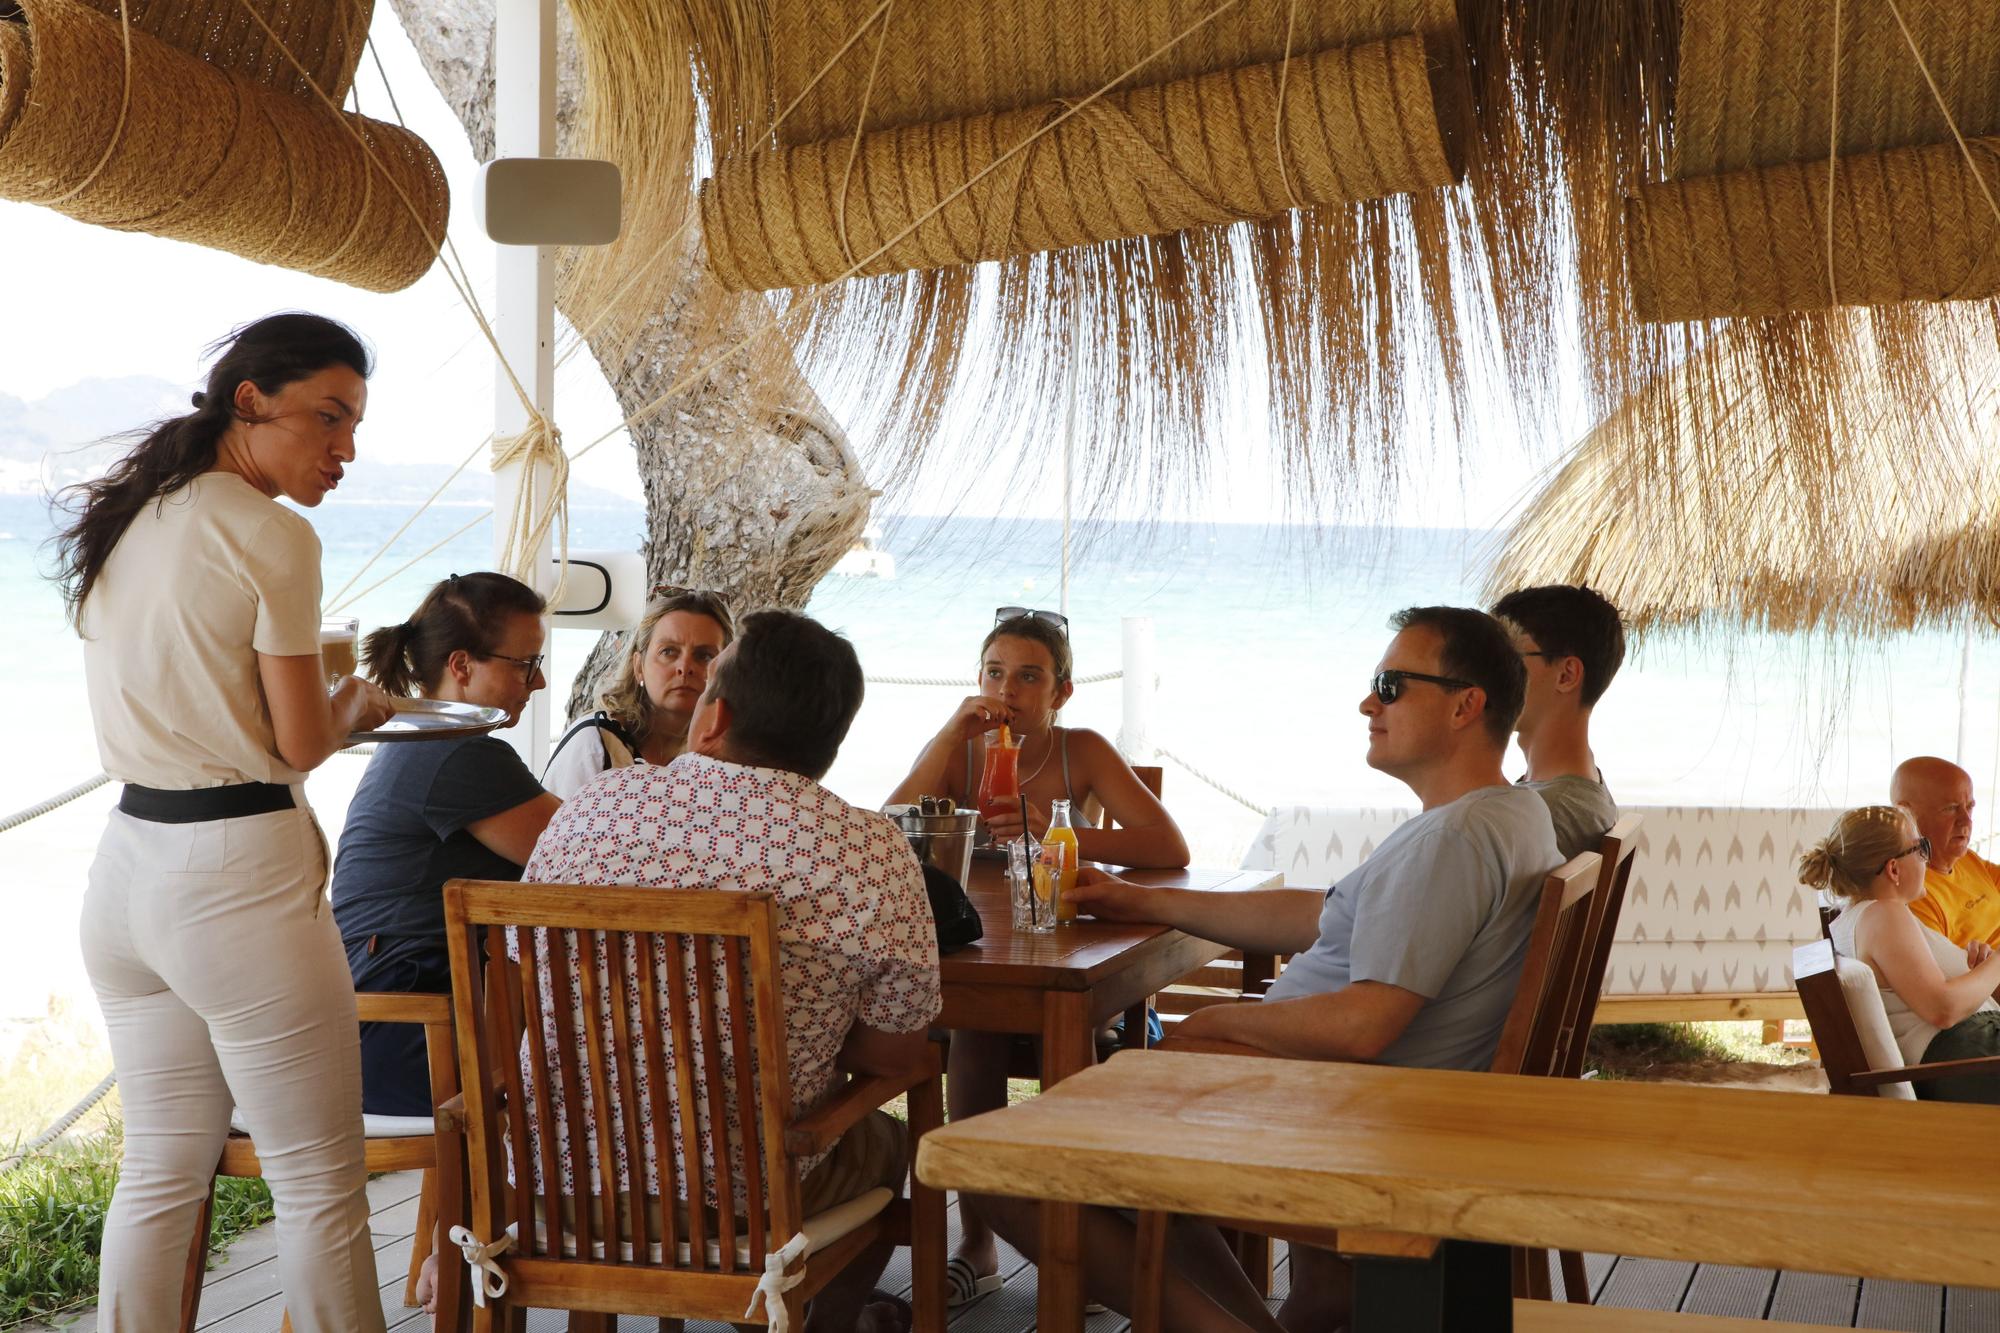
point(99, 303)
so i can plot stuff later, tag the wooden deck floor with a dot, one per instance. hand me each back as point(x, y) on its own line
point(241, 1295)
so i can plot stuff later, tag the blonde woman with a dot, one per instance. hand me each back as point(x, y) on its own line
point(1939, 997)
point(643, 713)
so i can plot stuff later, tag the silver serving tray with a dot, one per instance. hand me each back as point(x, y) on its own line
point(433, 720)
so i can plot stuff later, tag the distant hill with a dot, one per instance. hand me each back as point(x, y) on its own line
point(60, 439)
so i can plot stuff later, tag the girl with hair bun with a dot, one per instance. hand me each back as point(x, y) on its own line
point(1939, 997)
point(424, 814)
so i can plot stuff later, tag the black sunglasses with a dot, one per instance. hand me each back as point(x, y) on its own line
point(1003, 614)
point(1389, 684)
point(529, 665)
point(1922, 846)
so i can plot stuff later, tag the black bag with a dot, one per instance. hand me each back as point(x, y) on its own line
point(957, 919)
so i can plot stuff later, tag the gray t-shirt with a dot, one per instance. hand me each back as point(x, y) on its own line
point(1582, 811)
point(1443, 908)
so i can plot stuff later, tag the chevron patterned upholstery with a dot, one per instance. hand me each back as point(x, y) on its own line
point(1714, 905)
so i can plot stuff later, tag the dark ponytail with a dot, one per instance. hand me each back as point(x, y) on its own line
point(465, 612)
point(271, 353)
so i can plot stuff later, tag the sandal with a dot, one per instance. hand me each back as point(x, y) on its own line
point(964, 1285)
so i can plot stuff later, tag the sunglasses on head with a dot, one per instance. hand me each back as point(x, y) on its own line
point(1389, 684)
point(1003, 614)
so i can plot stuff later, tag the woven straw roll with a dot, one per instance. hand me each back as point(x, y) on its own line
point(325, 36)
point(1358, 123)
point(208, 156)
point(1909, 224)
point(944, 59)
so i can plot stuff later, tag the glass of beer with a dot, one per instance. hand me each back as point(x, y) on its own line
point(337, 639)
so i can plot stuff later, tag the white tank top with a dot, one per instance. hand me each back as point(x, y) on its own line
point(1913, 1035)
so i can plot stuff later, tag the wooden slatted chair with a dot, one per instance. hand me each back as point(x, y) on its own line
point(1534, 1040)
point(434, 1145)
point(1857, 1048)
point(582, 1251)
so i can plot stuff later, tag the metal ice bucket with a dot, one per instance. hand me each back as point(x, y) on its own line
point(944, 841)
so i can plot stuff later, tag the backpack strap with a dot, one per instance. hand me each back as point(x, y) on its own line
point(618, 747)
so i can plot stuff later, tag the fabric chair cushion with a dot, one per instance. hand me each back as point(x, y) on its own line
point(372, 1126)
point(1871, 1022)
point(821, 1230)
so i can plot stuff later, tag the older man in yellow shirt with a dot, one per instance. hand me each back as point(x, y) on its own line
point(1961, 889)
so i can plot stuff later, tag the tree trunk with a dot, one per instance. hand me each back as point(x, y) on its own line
point(750, 497)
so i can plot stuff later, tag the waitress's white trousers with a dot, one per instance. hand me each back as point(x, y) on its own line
point(215, 957)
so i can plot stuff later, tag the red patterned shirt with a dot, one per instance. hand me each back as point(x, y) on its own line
point(856, 940)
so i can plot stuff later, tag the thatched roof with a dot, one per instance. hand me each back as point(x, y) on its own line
point(1745, 514)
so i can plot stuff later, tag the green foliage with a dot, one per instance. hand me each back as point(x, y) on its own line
point(52, 1208)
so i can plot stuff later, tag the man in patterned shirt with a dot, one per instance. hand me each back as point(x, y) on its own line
point(742, 811)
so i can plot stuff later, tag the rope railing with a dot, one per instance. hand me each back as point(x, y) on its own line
point(1226, 790)
point(61, 1124)
point(55, 802)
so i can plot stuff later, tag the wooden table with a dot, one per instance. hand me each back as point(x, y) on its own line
point(1846, 1185)
point(1063, 986)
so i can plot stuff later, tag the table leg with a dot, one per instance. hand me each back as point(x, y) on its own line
point(1466, 1284)
point(1068, 1047)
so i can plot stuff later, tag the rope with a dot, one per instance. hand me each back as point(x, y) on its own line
point(960, 682)
point(1230, 792)
point(54, 802)
point(60, 1126)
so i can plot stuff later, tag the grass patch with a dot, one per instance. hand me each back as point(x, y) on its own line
point(52, 1208)
point(1665, 1050)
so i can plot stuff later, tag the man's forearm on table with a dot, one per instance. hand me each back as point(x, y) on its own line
point(1275, 921)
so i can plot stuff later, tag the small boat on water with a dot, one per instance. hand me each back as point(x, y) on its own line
point(868, 558)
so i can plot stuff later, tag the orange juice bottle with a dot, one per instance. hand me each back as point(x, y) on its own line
point(1059, 850)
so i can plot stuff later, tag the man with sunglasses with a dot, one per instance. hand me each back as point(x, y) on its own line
point(1572, 641)
point(1412, 959)
point(1961, 899)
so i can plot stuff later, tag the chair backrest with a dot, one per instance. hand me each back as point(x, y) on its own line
point(1843, 1003)
point(1533, 1041)
point(676, 1019)
point(1614, 876)
point(1150, 777)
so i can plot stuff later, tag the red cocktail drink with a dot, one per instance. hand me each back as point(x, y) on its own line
point(1001, 780)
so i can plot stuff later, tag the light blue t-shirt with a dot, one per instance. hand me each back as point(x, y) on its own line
point(1443, 908)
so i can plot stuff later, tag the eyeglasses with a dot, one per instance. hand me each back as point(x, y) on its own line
point(1922, 847)
point(529, 665)
point(1003, 614)
point(1389, 684)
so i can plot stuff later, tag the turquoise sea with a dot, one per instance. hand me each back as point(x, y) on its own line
point(1265, 637)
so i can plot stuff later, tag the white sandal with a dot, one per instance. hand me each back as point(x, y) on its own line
point(964, 1285)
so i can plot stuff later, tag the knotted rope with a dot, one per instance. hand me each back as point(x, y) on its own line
point(776, 1281)
point(489, 1279)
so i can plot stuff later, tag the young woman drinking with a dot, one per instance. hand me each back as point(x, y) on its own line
point(1939, 997)
point(1025, 678)
point(643, 713)
point(439, 810)
point(205, 929)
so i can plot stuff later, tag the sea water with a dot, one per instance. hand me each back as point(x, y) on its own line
point(1265, 639)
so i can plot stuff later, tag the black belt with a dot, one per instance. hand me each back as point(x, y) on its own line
point(200, 804)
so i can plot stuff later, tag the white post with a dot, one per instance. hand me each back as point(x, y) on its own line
point(524, 115)
point(1964, 677)
point(1140, 689)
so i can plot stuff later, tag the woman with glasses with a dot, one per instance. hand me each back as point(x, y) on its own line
point(643, 713)
point(1025, 678)
point(424, 814)
point(1939, 997)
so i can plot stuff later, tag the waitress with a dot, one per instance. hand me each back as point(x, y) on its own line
point(205, 929)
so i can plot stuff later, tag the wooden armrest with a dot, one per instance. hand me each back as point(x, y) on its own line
point(819, 1129)
point(1984, 1064)
point(401, 1007)
point(451, 1113)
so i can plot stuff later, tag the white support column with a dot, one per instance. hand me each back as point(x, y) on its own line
point(1140, 689)
point(524, 106)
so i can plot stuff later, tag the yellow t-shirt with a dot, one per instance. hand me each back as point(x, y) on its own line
point(1964, 905)
point(197, 587)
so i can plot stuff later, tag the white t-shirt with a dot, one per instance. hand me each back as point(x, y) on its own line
point(197, 586)
point(1913, 1035)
